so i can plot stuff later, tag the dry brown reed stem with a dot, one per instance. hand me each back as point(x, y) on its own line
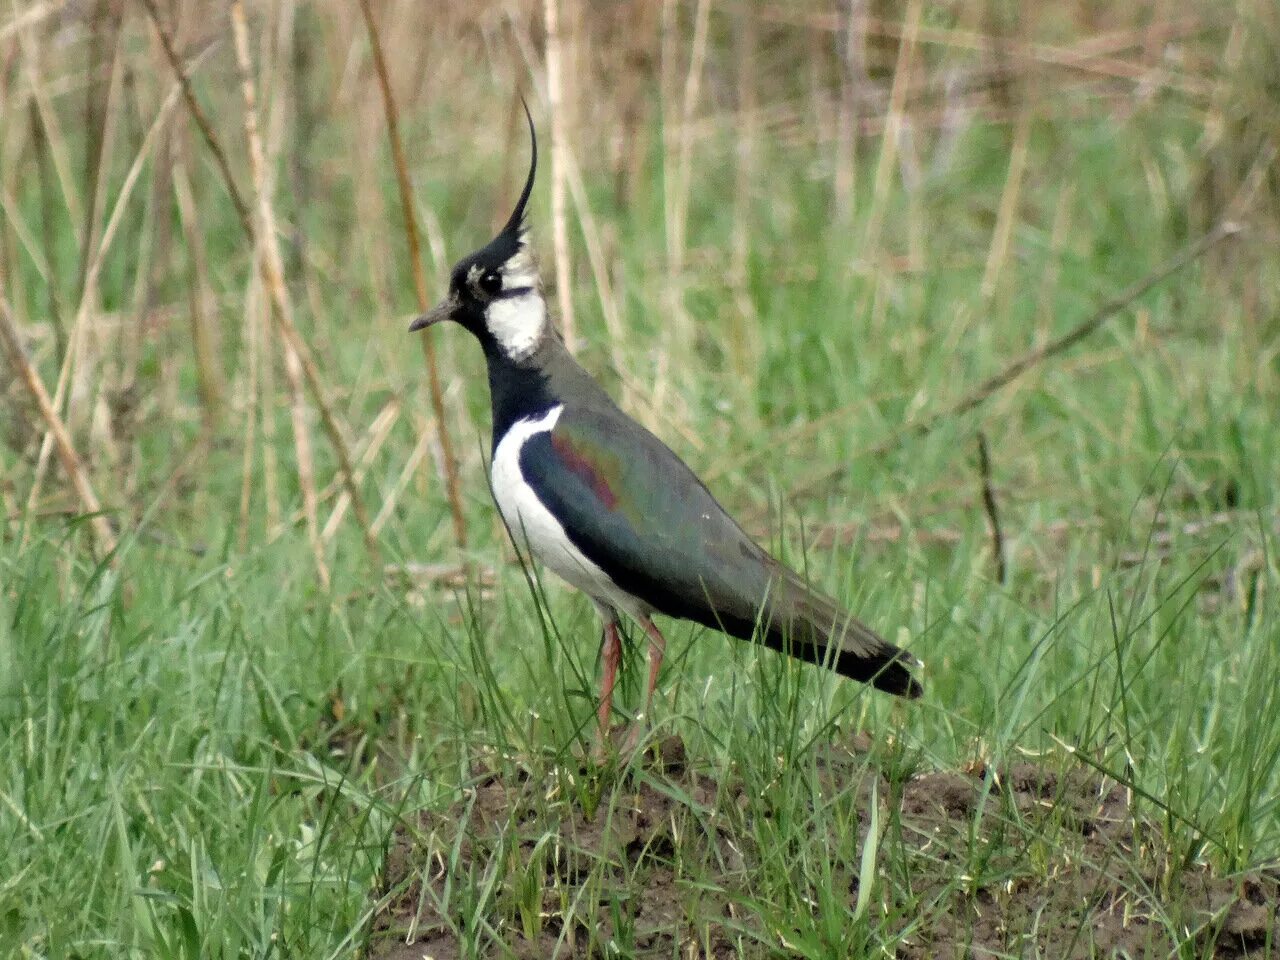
point(209, 383)
point(672, 296)
point(379, 430)
point(268, 255)
point(101, 142)
point(688, 104)
point(1058, 232)
point(40, 143)
point(100, 114)
point(1088, 56)
point(889, 140)
point(13, 215)
point(851, 43)
point(60, 153)
point(158, 235)
point(998, 252)
point(62, 438)
point(559, 147)
point(29, 53)
point(594, 242)
point(47, 441)
point(677, 175)
point(989, 504)
point(33, 15)
point(258, 319)
point(595, 255)
point(75, 334)
point(202, 121)
point(288, 331)
point(419, 278)
point(401, 483)
point(743, 348)
point(252, 389)
point(746, 124)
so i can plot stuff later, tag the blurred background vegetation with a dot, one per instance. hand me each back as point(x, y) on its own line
point(254, 599)
point(716, 173)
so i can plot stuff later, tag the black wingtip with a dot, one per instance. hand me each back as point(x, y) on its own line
point(887, 670)
point(897, 679)
point(517, 215)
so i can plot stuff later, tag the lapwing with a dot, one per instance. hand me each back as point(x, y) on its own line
point(608, 507)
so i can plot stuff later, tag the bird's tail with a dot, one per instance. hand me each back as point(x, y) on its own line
point(865, 655)
point(810, 626)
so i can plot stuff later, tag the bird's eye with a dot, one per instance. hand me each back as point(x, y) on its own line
point(490, 283)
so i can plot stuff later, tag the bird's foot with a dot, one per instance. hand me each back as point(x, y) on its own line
point(636, 737)
point(620, 743)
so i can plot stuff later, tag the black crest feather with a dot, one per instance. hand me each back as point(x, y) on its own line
point(517, 215)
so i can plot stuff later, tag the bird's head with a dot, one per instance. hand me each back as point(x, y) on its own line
point(496, 292)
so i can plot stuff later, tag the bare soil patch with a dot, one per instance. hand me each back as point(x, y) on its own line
point(664, 861)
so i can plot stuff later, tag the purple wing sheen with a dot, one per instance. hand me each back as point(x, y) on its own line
point(597, 470)
point(650, 524)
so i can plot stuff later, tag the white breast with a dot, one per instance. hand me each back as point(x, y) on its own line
point(535, 529)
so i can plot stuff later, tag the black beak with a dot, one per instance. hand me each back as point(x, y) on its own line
point(441, 311)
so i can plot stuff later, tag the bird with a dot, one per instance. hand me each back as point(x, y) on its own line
point(609, 508)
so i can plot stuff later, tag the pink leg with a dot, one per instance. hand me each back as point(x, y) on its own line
point(611, 653)
point(657, 647)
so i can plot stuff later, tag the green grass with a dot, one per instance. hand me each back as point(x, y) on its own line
point(204, 754)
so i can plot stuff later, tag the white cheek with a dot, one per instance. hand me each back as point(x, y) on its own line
point(518, 323)
point(520, 270)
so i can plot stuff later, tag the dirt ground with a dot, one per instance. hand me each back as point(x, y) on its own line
point(1069, 873)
